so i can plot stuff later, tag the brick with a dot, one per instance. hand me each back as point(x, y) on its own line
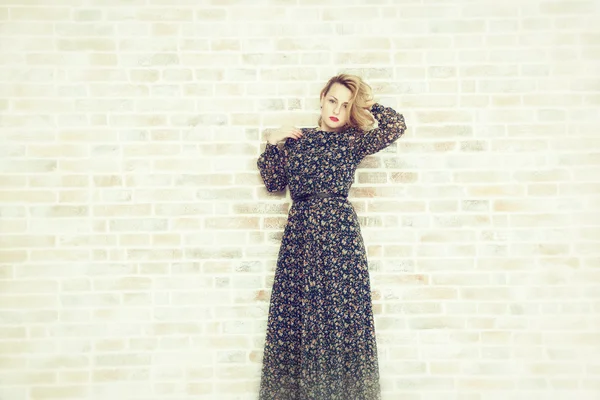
point(378, 206)
point(231, 223)
point(37, 14)
point(508, 190)
point(58, 392)
point(13, 333)
point(261, 209)
point(32, 378)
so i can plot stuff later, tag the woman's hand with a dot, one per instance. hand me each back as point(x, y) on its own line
point(367, 109)
point(369, 104)
point(277, 135)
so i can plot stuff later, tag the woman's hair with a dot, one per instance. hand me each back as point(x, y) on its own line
point(362, 97)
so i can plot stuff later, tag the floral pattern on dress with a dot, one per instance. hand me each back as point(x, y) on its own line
point(320, 341)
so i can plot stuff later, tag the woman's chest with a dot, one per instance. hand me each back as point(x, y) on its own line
point(320, 154)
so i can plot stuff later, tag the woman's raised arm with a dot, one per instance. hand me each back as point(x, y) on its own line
point(390, 127)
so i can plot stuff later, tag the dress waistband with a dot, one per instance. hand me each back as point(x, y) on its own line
point(319, 195)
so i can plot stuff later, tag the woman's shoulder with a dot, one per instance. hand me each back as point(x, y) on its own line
point(309, 129)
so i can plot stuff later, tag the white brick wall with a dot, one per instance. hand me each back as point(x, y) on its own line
point(138, 244)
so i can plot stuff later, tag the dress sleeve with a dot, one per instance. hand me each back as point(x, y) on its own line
point(390, 127)
point(271, 165)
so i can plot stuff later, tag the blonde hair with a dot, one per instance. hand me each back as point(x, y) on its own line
point(362, 97)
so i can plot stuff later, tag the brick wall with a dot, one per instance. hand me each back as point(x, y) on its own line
point(138, 243)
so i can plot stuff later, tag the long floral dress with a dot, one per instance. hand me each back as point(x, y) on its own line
point(320, 341)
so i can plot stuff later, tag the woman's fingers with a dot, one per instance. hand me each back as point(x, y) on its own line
point(296, 133)
point(290, 132)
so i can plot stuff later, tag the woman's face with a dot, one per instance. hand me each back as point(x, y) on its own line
point(335, 108)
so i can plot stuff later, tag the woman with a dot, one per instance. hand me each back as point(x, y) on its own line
point(320, 341)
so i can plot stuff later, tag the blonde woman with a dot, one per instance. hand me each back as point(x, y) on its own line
point(320, 341)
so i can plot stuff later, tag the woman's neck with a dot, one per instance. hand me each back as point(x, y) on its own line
point(320, 127)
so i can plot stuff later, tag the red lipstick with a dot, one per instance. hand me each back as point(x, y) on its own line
point(334, 119)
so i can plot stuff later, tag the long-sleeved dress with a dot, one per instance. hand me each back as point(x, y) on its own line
point(320, 341)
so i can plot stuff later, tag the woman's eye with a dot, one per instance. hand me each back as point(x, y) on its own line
point(331, 101)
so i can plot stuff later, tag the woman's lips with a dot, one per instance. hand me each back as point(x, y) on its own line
point(334, 119)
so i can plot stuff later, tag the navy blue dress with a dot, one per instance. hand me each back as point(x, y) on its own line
point(320, 341)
